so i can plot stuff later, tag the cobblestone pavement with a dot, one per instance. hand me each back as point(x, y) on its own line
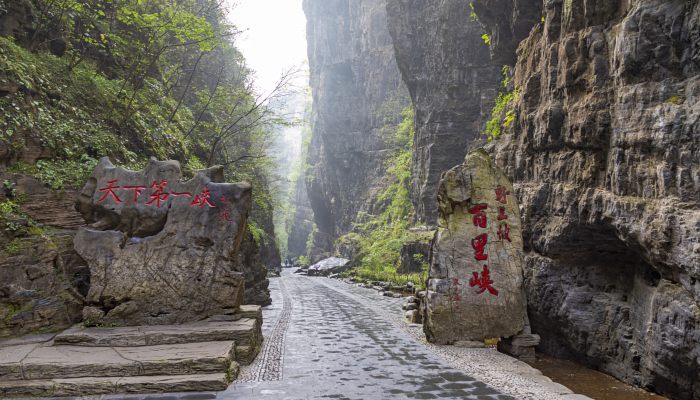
point(268, 364)
point(327, 344)
point(326, 339)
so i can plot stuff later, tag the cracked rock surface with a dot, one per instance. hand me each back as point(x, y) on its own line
point(173, 263)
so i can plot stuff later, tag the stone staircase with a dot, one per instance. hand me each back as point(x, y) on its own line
point(200, 356)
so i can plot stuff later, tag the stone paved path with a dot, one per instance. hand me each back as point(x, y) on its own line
point(325, 339)
point(326, 344)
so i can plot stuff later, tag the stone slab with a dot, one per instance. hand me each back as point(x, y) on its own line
point(241, 331)
point(475, 283)
point(251, 311)
point(10, 358)
point(106, 385)
point(163, 254)
point(27, 339)
point(80, 361)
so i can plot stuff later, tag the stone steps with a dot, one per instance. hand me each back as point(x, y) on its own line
point(201, 356)
point(243, 331)
point(108, 385)
point(60, 361)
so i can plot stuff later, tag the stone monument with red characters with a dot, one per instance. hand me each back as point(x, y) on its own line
point(475, 284)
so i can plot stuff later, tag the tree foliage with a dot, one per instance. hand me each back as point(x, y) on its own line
point(133, 79)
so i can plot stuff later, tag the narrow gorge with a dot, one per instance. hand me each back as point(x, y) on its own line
point(589, 107)
point(352, 199)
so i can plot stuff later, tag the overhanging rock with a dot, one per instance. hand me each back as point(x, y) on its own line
point(475, 284)
point(161, 250)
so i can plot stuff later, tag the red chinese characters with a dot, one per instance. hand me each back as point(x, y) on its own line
point(502, 213)
point(202, 199)
point(504, 231)
point(158, 196)
point(137, 190)
point(225, 212)
point(501, 194)
point(479, 215)
point(109, 191)
point(483, 281)
point(479, 243)
point(456, 295)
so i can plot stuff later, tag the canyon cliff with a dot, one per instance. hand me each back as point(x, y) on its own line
point(357, 97)
point(596, 125)
point(452, 83)
point(604, 151)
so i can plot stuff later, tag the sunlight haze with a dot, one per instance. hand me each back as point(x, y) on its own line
point(273, 37)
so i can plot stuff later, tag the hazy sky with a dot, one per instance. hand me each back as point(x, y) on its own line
point(274, 37)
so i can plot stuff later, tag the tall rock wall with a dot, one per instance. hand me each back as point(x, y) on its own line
point(357, 97)
point(452, 82)
point(605, 156)
point(302, 221)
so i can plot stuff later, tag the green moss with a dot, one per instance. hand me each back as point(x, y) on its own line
point(486, 38)
point(257, 233)
point(472, 13)
point(10, 310)
point(501, 115)
point(304, 261)
point(676, 99)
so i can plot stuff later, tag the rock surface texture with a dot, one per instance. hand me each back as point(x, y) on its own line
point(452, 82)
point(164, 263)
point(357, 97)
point(200, 356)
point(604, 154)
point(474, 289)
point(302, 224)
point(43, 281)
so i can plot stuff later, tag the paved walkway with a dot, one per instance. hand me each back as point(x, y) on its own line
point(326, 339)
point(328, 344)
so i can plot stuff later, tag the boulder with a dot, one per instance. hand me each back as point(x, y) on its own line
point(328, 266)
point(414, 255)
point(161, 250)
point(475, 282)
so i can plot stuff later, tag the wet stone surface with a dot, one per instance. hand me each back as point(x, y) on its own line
point(323, 342)
point(334, 347)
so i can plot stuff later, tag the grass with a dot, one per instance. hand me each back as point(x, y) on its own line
point(389, 275)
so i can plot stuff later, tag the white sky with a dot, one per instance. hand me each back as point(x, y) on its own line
point(274, 37)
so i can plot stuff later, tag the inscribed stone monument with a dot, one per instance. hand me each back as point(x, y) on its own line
point(161, 250)
point(474, 289)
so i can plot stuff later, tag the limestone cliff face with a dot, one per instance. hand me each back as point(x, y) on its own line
point(302, 223)
point(43, 281)
point(452, 83)
point(605, 156)
point(356, 86)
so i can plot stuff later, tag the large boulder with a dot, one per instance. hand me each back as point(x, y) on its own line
point(328, 265)
point(415, 253)
point(475, 283)
point(161, 250)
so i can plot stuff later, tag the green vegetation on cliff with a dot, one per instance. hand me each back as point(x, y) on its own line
point(131, 80)
point(379, 238)
point(502, 113)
